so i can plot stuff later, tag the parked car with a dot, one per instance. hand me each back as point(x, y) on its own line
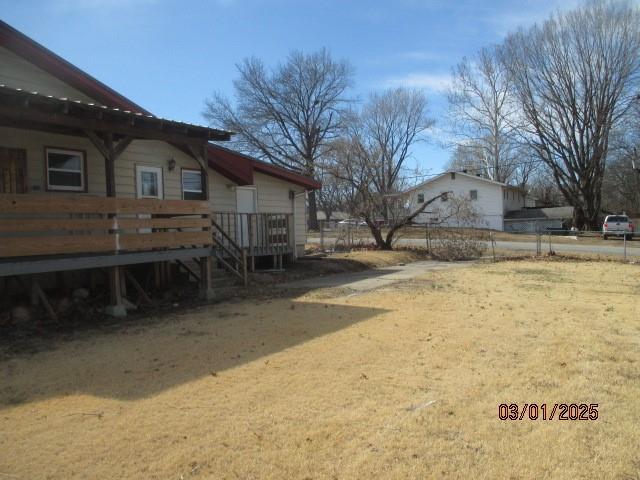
point(354, 222)
point(617, 225)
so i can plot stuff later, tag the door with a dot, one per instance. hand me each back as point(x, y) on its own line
point(245, 203)
point(148, 185)
point(13, 170)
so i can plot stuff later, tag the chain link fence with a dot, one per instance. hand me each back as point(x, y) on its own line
point(457, 243)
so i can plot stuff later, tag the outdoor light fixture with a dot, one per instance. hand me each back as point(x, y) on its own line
point(171, 164)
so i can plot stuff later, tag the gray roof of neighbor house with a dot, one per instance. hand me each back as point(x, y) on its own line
point(552, 213)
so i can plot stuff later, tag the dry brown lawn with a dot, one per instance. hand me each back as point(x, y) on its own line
point(397, 383)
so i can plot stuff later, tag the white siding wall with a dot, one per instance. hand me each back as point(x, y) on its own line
point(301, 223)
point(488, 204)
point(273, 197)
point(140, 152)
point(222, 195)
point(18, 73)
point(514, 200)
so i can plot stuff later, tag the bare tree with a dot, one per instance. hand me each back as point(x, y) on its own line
point(332, 195)
point(574, 76)
point(288, 115)
point(483, 115)
point(372, 160)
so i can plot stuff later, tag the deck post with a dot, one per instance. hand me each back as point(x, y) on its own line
point(206, 266)
point(116, 308)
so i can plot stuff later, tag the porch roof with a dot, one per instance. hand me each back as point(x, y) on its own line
point(33, 110)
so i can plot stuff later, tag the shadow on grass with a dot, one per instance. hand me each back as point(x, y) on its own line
point(144, 360)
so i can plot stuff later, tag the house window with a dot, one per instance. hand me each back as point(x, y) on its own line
point(192, 185)
point(65, 170)
point(473, 194)
point(444, 197)
point(453, 175)
point(421, 198)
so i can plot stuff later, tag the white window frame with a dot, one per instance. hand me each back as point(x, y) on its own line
point(149, 168)
point(192, 170)
point(82, 171)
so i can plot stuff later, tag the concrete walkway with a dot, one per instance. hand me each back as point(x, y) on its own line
point(373, 279)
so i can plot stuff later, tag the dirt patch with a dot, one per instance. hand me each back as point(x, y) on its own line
point(403, 382)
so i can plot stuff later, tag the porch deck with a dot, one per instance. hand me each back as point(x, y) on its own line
point(44, 233)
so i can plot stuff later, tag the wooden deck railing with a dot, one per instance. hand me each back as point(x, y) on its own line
point(257, 233)
point(33, 225)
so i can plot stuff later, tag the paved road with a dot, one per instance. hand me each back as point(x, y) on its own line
point(616, 247)
point(373, 279)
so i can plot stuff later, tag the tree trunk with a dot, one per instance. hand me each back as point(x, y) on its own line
point(377, 236)
point(312, 222)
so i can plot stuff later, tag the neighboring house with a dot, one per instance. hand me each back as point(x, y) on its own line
point(87, 173)
point(538, 219)
point(490, 200)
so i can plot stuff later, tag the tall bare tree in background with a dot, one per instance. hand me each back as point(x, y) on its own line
point(483, 117)
point(372, 159)
point(574, 77)
point(288, 115)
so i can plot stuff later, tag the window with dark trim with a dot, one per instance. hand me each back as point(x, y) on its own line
point(192, 185)
point(444, 197)
point(421, 198)
point(66, 170)
point(473, 194)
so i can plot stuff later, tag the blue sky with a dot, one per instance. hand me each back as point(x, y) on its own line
point(169, 55)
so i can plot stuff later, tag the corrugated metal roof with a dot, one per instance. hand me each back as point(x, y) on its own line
point(98, 107)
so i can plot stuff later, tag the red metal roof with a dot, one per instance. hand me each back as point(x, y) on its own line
point(219, 155)
point(233, 165)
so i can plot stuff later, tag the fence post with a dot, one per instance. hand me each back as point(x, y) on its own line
point(322, 236)
point(625, 247)
point(493, 246)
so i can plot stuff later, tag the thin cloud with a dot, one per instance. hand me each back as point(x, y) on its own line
point(420, 55)
point(433, 82)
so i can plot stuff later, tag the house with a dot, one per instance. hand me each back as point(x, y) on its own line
point(490, 200)
point(538, 219)
point(91, 180)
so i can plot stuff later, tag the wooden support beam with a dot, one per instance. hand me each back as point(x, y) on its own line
point(38, 296)
point(132, 280)
point(116, 307)
point(189, 271)
point(45, 301)
point(206, 266)
point(200, 153)
point(110, 151)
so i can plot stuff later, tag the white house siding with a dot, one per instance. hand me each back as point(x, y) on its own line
point(152, 153)
point(300, 217)
point(18, 73)
point(513, 199)
point(222, 194)
point(139, 152)
point(273, 197)
point(488, 203)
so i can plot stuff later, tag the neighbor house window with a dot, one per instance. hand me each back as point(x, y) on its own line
point(192, 185)
point(65, 170)
point(421, 198)
point(473, 194)
point(444, 197)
